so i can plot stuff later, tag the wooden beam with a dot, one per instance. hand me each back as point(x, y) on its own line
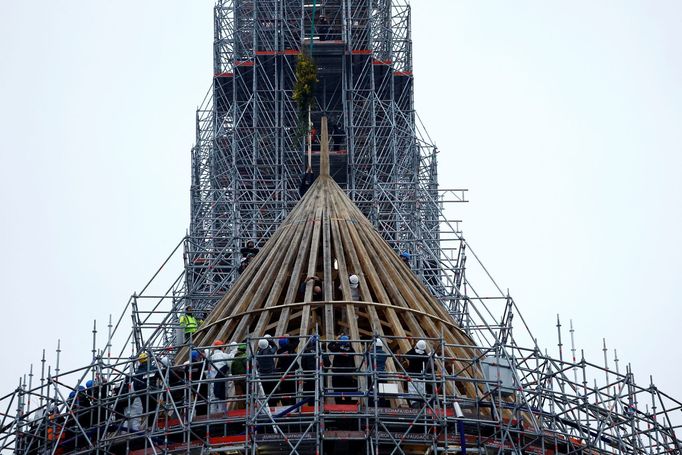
point(324, 148)
point(312, 268)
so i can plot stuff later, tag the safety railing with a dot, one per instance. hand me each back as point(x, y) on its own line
point(284, 393)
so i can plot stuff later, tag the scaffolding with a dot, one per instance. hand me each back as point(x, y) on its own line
point(246, 169)
point(525, 405)
point(526, 400)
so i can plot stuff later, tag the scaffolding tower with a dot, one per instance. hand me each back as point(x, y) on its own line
point(250, 152)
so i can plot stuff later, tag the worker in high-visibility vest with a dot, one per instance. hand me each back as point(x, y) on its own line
point(189, 323)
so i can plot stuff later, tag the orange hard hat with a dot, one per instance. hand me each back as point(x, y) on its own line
point(218, 343)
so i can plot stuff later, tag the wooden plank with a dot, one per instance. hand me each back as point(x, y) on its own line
point(361, 333)
point(368, 305)
point(324, 148)
point(258, 281)
point(263, 283)
point(347, 245)
point(419, 292)
point(328, 282)
point(312, 269)
point(391, 280)
point(294, 244)
point(351, 317)
point(391, 258)
point(371, 278)
point(295, 278)
point(210, 331)
point(395, 286)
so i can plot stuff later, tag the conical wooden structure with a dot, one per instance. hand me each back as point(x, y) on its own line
point(326, 235)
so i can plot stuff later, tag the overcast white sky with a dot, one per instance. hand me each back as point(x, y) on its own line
point(563, 119)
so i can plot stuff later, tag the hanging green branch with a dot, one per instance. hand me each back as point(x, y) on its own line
point(304, 89)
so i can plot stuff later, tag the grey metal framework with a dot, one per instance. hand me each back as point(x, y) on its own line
point(246, 169)
point(176, 409)
point(250, 152)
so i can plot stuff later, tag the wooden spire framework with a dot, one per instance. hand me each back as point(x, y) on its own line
point(326, 235)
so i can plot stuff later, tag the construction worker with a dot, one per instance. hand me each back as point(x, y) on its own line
point(195, 375)
point(417, 363)
point(238, 371)
point(377, 364)
point(127, 406)
point(250, 248)
point(318, 294)
point(76, 428)
point(337, 135)
point(219, 370)
point(231, 353)
point(379, 357)
point(145, 387)
point(174, 375)
point(306, 181)
point(54, 425)
point(97, 392)
point(244, 262)
point(189, 323)
point(28, 437)
point(323, 28)
point(309, 367)
point(354, 283)
point(405, 256)
point(343, 367)
point(286, 367)
point(265, 363)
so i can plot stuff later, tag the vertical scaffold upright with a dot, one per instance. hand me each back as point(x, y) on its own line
point(250, 151)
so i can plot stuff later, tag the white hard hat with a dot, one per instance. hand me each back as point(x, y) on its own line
point(353, 280)
point(421, 345)
point(267, 335)
point(263, 343)
point(379, 343)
